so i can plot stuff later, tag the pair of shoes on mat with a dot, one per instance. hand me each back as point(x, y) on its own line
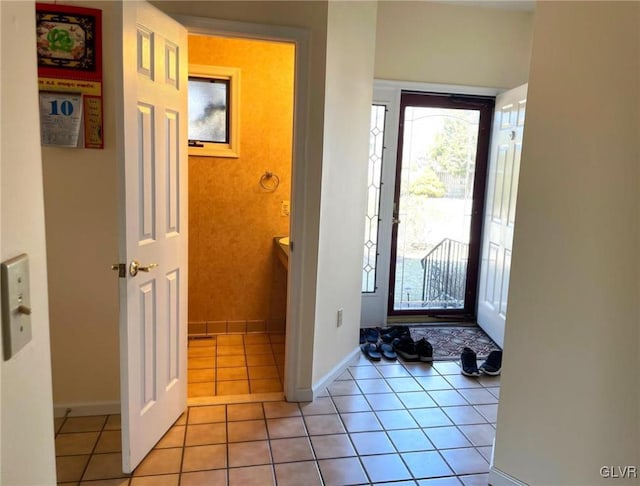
point(409, 350)
point(388, 334)
point(492, 365)
point(378, 343)
point(394, 332)
point(394, 341)
point(373, 348)
point(376, 351)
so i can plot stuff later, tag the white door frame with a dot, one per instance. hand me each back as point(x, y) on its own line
point(296, 385)
point(387, 92)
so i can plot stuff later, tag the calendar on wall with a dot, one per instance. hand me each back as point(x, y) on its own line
point(69, 44)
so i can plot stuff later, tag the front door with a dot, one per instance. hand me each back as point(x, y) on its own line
point(153, 242)
point(440, 182)
point(500, 211)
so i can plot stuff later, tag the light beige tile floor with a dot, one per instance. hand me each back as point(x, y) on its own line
point(389, 422)
point(235, 364)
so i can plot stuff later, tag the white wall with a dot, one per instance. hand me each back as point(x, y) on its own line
point(569, 399)
point(452, 44)
point(350, 57)
point(27, 419)
point(81, 208)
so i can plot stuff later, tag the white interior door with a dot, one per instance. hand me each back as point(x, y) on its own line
point(153, 157)
point(500, 211)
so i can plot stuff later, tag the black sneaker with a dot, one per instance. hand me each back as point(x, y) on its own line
point(493, 364)
point(405, 348)
point(424, 350)
point(469, 362)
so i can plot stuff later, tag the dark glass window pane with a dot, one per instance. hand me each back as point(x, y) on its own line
point(209, 110)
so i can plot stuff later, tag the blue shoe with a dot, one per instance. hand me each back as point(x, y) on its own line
point(387, 351)
point(371, 351)
point(393, 332)
point(371, 335)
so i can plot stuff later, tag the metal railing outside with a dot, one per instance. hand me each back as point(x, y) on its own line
point(445, 275)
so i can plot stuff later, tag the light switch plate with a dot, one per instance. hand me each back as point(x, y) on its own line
point(16, 305)
point(285, 208)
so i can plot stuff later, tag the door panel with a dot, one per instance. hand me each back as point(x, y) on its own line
point(502, 188)
point(172, 137)
point(489, 293)
point(147, 349)
point(153, 150)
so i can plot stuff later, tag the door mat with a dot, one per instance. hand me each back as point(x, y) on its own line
point(448, 342)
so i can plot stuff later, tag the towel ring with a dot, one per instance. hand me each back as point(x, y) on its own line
point(269, 181)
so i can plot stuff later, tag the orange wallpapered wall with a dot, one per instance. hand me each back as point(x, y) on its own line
point(234, 274)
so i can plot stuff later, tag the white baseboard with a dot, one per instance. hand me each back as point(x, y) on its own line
point(337, 370)
point(302, 395)
point(500, 478)
point(111, 408)
point(87, 408)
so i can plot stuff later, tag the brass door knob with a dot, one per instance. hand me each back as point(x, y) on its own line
point(135, 267)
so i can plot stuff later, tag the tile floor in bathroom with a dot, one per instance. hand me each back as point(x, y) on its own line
point(397, 423)
point(235, 364)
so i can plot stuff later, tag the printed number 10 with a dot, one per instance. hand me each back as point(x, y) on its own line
point(66, 108)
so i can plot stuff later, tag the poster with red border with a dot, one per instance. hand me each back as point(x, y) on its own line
point(69, 46)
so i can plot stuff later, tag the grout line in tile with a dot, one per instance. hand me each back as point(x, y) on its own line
point(93, 450)
point(226, 428)
point(184, 444)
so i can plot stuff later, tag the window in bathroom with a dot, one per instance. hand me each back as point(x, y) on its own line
point(208, 110)
point(376, 145)
point(213, 111)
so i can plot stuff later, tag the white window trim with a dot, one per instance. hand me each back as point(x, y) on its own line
point(231, 149)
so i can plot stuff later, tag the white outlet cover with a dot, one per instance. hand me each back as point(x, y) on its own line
point(16, 325)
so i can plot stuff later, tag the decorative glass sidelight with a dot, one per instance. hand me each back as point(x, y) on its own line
point(376, 147)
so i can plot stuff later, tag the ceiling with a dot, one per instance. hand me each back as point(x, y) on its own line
point(524, 5)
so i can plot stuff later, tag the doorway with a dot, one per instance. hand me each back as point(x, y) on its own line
point(437, 211)
point(239, 209)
